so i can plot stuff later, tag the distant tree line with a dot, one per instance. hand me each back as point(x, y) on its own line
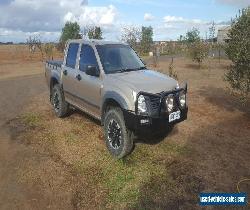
point(6, 43)
point(141, 39)
point(72, 30)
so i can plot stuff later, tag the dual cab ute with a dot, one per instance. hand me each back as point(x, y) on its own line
point(108, 81)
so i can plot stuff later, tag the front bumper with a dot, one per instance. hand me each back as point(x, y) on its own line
point(146, 124)
point(157, 119)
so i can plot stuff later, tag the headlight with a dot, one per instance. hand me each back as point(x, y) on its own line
point(142, 107)
point(170, 102)
point(182, 99)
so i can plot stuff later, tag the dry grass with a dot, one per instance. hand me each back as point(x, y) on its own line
point(117, 184)
point(209, 152)
point(16, 61)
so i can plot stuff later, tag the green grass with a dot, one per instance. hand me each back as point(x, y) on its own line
point(32, 119)
point(125, 178)
point(123, 182)
point(119, 179)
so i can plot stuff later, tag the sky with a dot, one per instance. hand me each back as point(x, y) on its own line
point(20, 19)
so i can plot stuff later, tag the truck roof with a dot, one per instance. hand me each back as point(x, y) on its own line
point(95, 41)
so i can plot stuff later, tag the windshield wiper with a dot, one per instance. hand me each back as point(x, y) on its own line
point(123, 70)
point(142, 67)
point(129, 69)
point(132, 69)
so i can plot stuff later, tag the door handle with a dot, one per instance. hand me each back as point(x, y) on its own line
point(78, 77)
point(65, 72)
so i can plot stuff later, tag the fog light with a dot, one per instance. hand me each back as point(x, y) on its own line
point(182, 99)
point(170, 102)
point(142, 107)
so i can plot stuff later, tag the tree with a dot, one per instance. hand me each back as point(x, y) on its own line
point(180, 39)
point(69, 31)
point(48, 49)
point(238, 51)
point(192, 36)
point(198, 51)
point(146, 39)
point(94, 32)
point(34, 42)
point(171, 72)
point(132, 36)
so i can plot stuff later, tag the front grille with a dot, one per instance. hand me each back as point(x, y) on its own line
point(154, 104)
point(157, 104)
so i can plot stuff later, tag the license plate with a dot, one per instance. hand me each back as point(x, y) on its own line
point(174, 116)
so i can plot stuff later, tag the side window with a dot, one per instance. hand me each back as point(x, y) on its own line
point(72, 54)
point(87, 58)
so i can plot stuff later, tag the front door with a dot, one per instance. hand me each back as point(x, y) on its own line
point(88, 88)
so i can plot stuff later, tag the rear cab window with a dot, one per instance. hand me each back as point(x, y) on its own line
point(72, 55)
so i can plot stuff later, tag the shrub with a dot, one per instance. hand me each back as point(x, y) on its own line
point(198, 51)
point(146, 39)
point(48, 50)
point(192, 36)
point(171, 72)
point(132, 36)
point(238, 51)
point(69, 31)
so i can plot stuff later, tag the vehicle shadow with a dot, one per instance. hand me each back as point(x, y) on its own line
point(144, 138)
point(194, 66)
point(152, 139)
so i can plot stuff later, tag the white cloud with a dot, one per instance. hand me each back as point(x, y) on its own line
point(30, 16)
point(102, 16)
point(20, 36)
point(174, 19)
point(174, 26)
point(148, 17)
point(21, 18)
point(69, 17)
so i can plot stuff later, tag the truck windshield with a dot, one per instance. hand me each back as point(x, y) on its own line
point(119, 58)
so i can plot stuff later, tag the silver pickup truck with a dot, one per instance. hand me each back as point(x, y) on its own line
point(108, 81)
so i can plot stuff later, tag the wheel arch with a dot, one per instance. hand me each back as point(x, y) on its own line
point(112, 99)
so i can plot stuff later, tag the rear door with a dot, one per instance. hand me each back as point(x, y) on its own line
point(69, 71)
point(88, 88)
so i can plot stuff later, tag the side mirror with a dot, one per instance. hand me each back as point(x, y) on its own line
point(92, 71)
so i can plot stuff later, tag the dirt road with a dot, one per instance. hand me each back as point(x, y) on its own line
point(15, 93)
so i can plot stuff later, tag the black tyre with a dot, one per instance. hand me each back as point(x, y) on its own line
point(61, 107)
point(119, 140)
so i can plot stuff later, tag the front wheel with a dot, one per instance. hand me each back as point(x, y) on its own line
point(119, 140)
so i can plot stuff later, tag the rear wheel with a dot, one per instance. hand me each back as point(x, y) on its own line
point(61, 107)
point(119, 140)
